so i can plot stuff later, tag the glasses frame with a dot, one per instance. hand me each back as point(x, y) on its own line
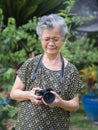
point(51, 39)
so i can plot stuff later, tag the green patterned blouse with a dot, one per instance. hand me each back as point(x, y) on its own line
point(41, 117)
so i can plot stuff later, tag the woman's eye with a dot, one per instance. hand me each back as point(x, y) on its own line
point(55, 39)
point(47, 39)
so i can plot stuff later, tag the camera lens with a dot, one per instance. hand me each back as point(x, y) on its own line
point(48, 97)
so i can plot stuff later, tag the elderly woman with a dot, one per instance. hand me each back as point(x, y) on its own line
point(49, 72)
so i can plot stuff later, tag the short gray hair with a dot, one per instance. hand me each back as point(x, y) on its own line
point(52, 21)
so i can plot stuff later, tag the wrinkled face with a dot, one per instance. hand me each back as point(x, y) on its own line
point(51, 40)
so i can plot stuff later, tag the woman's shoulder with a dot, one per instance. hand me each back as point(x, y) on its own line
point(31, 61)
point(70, 66)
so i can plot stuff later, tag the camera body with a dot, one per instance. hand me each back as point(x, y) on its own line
point(46, 94)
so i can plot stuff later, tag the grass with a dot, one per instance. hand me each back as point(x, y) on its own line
point(79, 121)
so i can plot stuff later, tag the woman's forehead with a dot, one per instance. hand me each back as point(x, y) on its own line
point(51, 31)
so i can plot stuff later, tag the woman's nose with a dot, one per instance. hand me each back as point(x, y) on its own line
point(51, 42)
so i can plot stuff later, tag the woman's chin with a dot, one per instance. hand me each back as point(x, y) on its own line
point(51, 51)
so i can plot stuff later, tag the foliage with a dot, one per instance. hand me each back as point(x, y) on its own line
point(11, 111)
point(16, 46)
point(17, 43)
point(7, 112)
point(7, 77)
point(89, 77)
point(83, 54)
point(80, 52)
point(69, 17)
point(1, 18)
point(23, 10)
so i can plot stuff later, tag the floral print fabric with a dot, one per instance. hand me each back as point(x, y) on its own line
point(41, 117)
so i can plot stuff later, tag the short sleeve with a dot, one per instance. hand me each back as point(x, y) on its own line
point(22, 72)
point(76, 84)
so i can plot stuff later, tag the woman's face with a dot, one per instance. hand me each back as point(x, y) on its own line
point(51, 40)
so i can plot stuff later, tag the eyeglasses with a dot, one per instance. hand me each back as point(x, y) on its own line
point(54, 39)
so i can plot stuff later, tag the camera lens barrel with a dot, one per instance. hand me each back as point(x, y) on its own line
point(48, 97)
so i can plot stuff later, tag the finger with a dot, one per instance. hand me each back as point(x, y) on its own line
point(38, 102)
point(36, 88)
point(54, 93)
point(38, 97)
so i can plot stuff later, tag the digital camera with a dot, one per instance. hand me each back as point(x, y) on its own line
point(46, 94)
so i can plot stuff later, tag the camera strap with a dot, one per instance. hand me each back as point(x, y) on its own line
point(62, 70)
point(36, 68)
point(38, 65)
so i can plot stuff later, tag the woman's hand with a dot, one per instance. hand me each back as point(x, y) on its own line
point(34, 98)
point(69, 105)
point(56, 102)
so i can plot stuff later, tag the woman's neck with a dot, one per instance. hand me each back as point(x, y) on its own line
point(52, 62)
point(51, 57)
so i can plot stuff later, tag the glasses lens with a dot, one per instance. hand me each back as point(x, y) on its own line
point(54, 39)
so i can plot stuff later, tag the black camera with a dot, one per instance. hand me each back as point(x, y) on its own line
point(46, 94)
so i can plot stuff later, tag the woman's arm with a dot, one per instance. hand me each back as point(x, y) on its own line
point(18, 93)
point(68, 105)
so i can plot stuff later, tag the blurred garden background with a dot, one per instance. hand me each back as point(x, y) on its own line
point(18, 42)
